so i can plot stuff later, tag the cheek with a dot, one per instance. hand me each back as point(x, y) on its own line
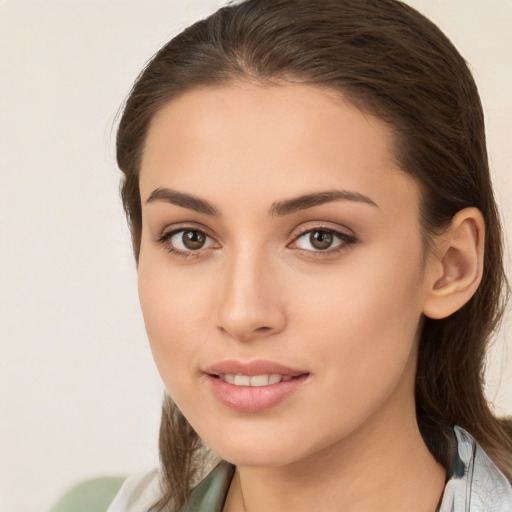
point(364, 321)
point(173, 307)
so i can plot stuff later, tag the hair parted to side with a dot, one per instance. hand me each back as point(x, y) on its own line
point(389, 61)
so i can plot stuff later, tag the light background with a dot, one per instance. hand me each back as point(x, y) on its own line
point(79, 396)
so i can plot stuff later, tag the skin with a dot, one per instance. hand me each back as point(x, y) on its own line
point(259, 289)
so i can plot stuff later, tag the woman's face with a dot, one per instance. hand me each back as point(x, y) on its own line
point(281, 270)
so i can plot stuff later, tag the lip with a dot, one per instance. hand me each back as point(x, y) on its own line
point(253, 398)
point(255, 367)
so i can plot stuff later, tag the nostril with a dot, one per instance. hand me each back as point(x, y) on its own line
point(262, 329)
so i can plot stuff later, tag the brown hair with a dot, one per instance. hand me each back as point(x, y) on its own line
point(390, 61)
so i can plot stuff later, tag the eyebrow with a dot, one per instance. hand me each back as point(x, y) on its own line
point(288, 206)
point(279, 208)
point(184, 200)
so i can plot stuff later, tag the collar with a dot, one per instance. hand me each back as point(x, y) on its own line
point(475, 484)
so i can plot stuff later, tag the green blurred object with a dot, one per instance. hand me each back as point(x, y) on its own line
point(90, 496)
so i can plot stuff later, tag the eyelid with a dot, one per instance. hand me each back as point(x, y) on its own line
point(307, 227)
point(341, 233)
point(346, 239)
point(169, 231)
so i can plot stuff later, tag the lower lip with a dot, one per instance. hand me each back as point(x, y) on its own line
point(253, 398)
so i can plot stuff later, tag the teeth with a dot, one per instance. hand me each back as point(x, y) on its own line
point(229, 378)
point(242, 380)
point(274, 378)
point(259, 380)
point(254, 380)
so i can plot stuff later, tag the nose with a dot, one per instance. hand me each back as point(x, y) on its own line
point(249, 300)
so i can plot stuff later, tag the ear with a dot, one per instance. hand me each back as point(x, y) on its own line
point(456, 264)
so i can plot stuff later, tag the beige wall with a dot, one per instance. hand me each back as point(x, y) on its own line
point(79, 394)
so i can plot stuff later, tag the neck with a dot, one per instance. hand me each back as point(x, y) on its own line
point(383, 466)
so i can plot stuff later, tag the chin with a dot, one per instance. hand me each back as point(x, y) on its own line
point(258, 450)
point(256, 457)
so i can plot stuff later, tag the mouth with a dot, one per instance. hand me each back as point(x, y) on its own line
point(253, 386)
point(254, 380)
point(260, 371)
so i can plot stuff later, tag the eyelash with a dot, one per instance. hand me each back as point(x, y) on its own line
point(165, 238)
point(345, 240)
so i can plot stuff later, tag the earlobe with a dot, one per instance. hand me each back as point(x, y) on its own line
point(457, 269)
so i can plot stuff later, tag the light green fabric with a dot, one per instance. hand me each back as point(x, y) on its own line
point(210, 494)
point(90, 496)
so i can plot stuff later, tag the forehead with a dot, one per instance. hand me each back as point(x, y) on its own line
point(269, 142)
point(287, 110)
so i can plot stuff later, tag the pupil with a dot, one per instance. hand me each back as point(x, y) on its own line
point(321, 239)
point(193, 239)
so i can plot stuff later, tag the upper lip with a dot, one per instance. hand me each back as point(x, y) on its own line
point(255, 367)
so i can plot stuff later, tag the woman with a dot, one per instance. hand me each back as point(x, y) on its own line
point(320, 263)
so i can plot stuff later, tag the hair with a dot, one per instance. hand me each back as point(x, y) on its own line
point(389, 61)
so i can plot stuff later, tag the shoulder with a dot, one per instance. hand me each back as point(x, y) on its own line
point(93, 495)
point(475, 484)
point(112, 494)
point(138, 493)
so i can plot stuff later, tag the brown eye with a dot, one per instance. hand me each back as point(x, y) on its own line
point(321, 240)
point(185, 242)
point(193, 240)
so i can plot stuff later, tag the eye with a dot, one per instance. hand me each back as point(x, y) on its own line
point(185, 242)
point(323, 240)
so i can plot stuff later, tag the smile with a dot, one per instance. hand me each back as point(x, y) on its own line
point(254, 380)
point(253, 386)
point(254, 393)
